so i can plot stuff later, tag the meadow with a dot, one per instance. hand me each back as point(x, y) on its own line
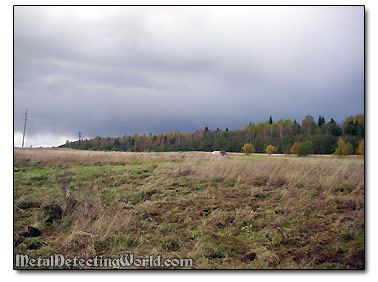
point(234, 212)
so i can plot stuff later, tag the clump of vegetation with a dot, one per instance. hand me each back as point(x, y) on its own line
point(361, 147)
point(270, 149)
point(306, 149)
point(296, 148)
point(248, 148)
point(258, 212)
point(340, 146)
point(281, 134)
point(347, 149)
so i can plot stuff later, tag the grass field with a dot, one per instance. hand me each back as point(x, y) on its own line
point(250, 212)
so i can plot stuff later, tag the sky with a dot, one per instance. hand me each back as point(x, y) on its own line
point(111, 71)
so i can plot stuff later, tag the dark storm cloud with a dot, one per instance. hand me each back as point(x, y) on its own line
point(117, 70)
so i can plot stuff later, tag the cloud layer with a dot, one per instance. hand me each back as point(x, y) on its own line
point(111, 71)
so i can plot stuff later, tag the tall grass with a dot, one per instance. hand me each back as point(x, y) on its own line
point(271, 212)
point(69, 157)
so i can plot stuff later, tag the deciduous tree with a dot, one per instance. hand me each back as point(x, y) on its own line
point(296, 148)
point(347, 149)
point(361, 147)
point(270, 149)
point(248, 149)
point(307, 148)
point(340, 142)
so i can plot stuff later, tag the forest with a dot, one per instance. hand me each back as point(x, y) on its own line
point(283, 136)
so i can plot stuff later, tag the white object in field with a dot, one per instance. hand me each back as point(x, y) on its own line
point(218, 153)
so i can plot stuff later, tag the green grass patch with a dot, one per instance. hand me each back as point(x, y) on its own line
point(237, 212)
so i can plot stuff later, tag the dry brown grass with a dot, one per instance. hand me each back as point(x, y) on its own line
point(69, 157)
point(290, 172)
point(235, 212)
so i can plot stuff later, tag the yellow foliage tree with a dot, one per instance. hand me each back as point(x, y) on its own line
point(270, 149)
point(340, 146)
point(248, 148)
point(340, 142)
point(338, 151)
point(361, 147)
point(296, 148)
point(347, 149)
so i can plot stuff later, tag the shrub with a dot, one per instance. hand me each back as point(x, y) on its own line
point(361, 147)
point(340, 142)
point(248, 149)
point(338, 152)
point(307, 148)
point(340, 147)
point(296, 148)
point(347, 149)
point(270, 149)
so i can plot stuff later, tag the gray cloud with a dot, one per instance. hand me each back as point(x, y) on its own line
point(111, 71)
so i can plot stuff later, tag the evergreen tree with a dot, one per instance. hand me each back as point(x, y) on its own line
point(296, 127)
point(321, 121)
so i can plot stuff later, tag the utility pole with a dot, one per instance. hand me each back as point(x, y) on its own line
point(79, 138)
point(25, 119)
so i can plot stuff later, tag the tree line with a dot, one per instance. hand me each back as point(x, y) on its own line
point(316, 137)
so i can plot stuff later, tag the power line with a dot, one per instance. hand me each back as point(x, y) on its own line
point(23, 136)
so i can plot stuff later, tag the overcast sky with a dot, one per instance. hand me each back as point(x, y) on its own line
point(111, 71)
